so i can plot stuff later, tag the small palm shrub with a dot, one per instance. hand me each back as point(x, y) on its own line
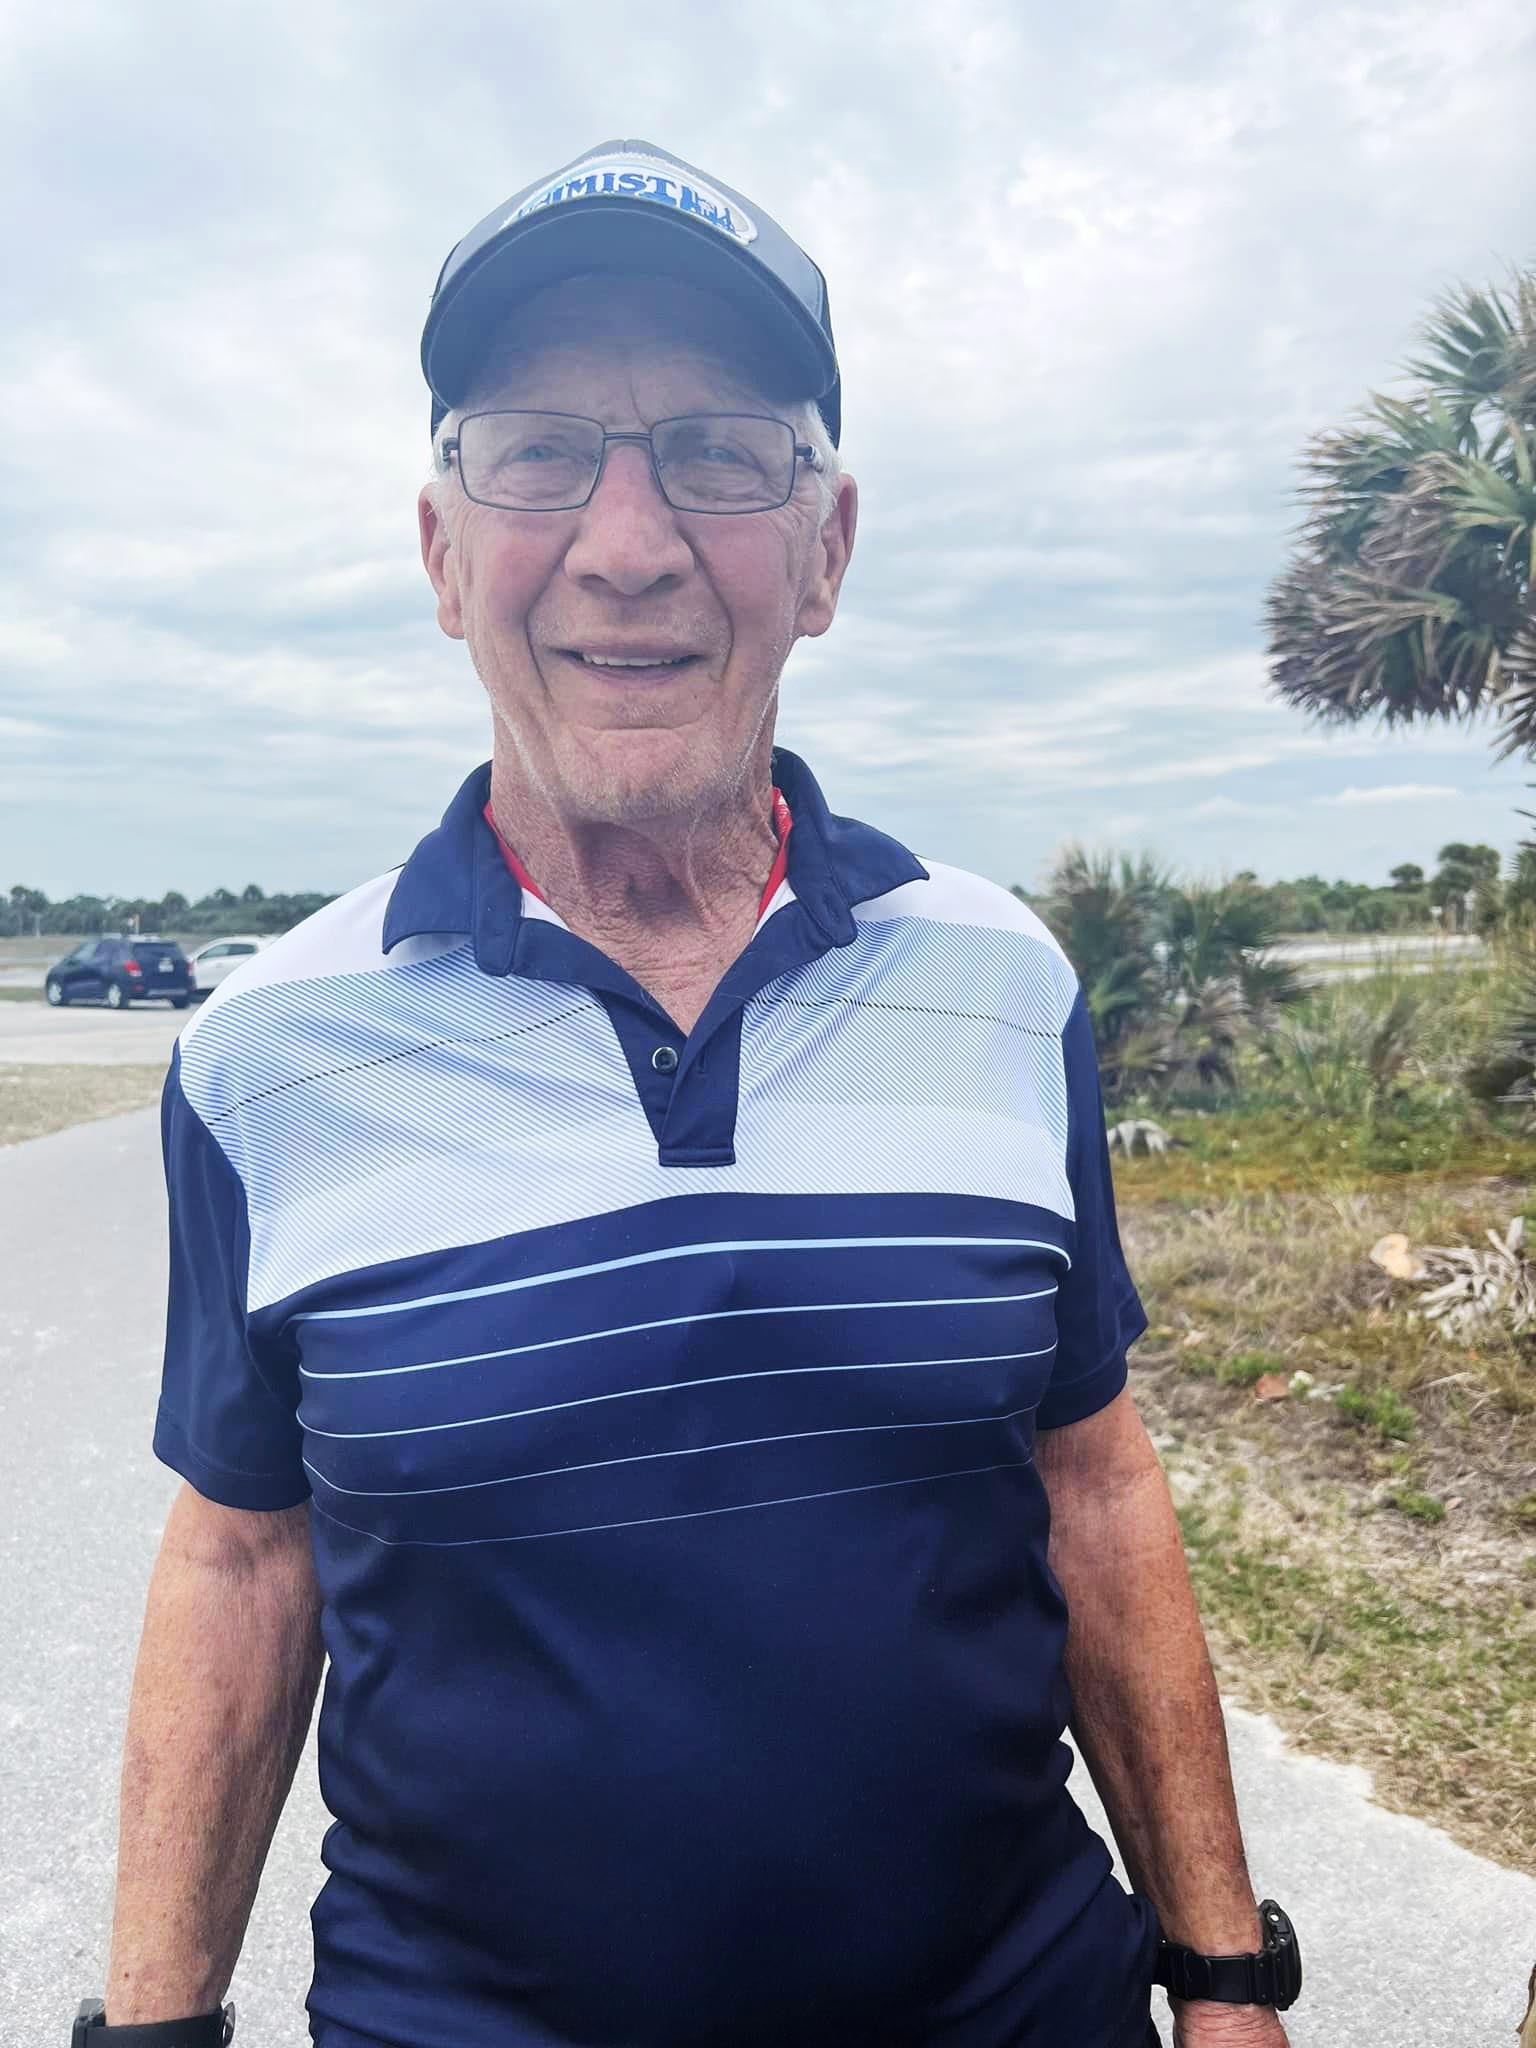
point(1346, 1053)
point(1177, 980)
point(1503, 1068)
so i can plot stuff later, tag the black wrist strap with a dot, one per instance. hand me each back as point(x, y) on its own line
point(202, 2030)
point(1233, 1980)
point(1271, 1977)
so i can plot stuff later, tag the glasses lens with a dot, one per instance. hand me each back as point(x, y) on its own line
point(528, 461)
point(725, 462)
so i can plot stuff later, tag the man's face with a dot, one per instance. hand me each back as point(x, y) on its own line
point(539, 597)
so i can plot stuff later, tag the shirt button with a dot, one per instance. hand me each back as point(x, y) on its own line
point(664, 1059)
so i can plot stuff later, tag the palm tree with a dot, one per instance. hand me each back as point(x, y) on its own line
point(1174, 978)
point(1222, 934)
point(1412, 590)
point(1101, 909)
point(1520, 889)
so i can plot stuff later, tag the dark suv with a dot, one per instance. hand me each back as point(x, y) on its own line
point(118, 972)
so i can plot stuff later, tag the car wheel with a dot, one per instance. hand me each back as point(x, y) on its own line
point(180, 1002)
point(116, 1000)
point(55, 994)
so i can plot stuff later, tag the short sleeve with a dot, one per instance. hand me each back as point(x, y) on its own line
point(228, 1417)
point(1098, 1314)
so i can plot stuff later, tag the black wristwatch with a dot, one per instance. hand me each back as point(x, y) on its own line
point(1272, 1977)
point(206, 2030)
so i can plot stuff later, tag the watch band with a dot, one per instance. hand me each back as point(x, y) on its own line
point(1233, 1980)
point(203, 2030)
point(1270, 1977)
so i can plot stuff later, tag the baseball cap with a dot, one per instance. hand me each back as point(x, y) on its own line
point(629, 206)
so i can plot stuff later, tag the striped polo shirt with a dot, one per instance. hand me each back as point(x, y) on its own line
point(665, 1404)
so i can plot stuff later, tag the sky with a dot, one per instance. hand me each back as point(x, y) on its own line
point(1096, 276)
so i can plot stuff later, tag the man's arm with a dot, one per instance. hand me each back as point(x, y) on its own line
point(222, 1695)
point(1146, 1713)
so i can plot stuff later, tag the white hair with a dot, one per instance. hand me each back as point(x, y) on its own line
point(807, 420)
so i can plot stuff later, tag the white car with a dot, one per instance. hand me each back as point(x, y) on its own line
point(219, 957)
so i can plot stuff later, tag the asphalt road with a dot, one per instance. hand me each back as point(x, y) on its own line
point(1408, 1941)
point(89, 1035)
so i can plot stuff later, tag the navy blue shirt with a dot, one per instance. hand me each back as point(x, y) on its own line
point(666, 1405)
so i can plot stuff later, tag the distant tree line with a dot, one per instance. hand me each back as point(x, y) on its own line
point(29, 913)
point(1467, 892)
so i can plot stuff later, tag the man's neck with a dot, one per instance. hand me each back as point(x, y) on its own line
point(681, 888)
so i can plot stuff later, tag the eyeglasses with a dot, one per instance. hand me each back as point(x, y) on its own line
point(702, 461)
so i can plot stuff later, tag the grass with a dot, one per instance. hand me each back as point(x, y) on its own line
point(1422, 1506)
point(1361, 1081)
point(1242, 1150)
point(1364, 1560)
point(37, 1100)
point(1272, 1283)
point(1380, 1410)
point(1244, 1370)
point(1397, 1665)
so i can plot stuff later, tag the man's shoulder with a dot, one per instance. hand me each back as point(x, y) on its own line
point(954, 896)
point(342, 940)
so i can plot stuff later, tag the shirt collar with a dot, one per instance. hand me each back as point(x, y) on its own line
point(457, 881)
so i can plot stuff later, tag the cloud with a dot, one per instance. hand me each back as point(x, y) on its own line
point(1391, 793)
point(1094, 285)
point(1230, 807)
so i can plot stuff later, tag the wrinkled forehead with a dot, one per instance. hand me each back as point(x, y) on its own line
point(607, 335)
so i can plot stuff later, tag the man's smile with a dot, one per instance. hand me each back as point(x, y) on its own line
point(634, 665)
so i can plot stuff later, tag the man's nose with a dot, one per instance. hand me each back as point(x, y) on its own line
point(627, 534)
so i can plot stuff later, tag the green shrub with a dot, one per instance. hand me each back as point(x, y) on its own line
point(1382, 1411)
point(1248, 1367)
point(1423, 1507)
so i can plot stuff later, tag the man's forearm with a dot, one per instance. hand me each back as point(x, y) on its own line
point(1146, 1712)
point(222, 1695)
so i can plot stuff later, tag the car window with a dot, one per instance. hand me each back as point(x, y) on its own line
point(241, 949)
point(213, 953)
point(105, 953)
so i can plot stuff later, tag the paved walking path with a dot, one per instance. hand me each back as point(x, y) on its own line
point(88, 1034)
point(1409, 1941)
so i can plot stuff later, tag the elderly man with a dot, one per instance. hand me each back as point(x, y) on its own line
point(646, 1300)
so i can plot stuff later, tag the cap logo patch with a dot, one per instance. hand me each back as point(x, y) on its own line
point(636, 177)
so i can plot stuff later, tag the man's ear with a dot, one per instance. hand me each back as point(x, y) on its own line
point(440, 562)
point(829, 562)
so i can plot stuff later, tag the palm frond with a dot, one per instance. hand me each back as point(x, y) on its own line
point(1480, 347)
point(1504, 1069)
point(1409, 594)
